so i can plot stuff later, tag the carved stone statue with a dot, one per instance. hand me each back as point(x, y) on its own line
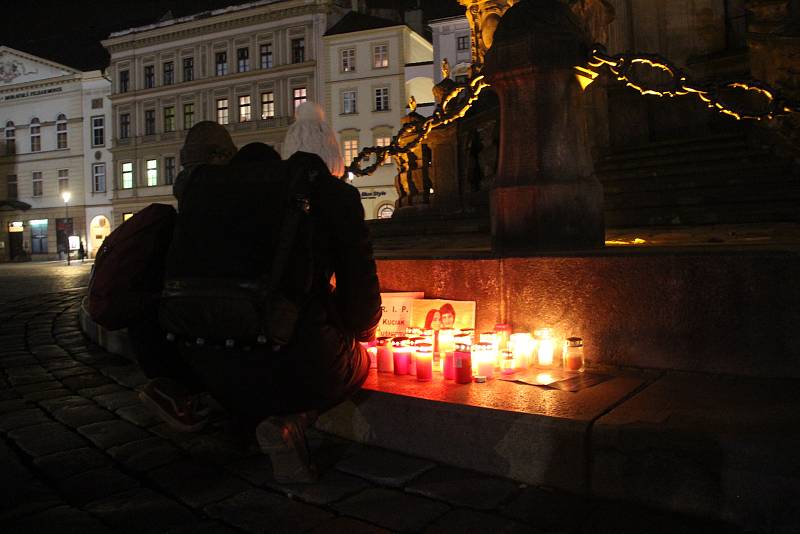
point(484, 16)
point(445, 69)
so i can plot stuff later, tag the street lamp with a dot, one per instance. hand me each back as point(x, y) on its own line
point(66, 196)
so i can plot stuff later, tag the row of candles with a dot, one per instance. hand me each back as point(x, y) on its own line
point(458, 357)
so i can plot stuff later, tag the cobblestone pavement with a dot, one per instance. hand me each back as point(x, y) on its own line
point(78, 453)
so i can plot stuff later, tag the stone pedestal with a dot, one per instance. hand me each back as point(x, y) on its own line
point(545, 194)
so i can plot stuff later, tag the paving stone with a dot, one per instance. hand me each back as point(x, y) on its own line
point(36, 396)
point(549, 510)
point(256, 469)
point(258, 511)
point(70, 463)
point(62, 518)
point(94, 485)
point(91, 392)
point(628, 518)
point(128, 375)
point(10, 362)
point(146, 454)
point(75, 370)
point(472, 522)
point(61, 363)
point(463, 488)
point(347, 525)
point(139, 415)
point(218, 448)
point(108, 434)
point(392, 509)
point(79, 416)
point(30, 378)
point(13, 405)
point(383, 467)
point(165, 431)
point(141, 511)
point(52, 405)
point(47, 438)
point(206, 527)
point(84, 381)
point(119, 399)
point(196, 484)
point(25, 498)
point(22, 418)
point(331, 487)
point(39, 386)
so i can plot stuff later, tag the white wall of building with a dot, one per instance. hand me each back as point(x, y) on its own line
point(445, 36)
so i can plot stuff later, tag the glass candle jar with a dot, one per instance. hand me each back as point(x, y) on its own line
point(508, 363)
point(462, 361)
point(424, 361)
point(484, 355)
point(522, 345)
point(573, 354)
point(401, 354)
point(545, 347)
point(383, 345)
point(503, 332)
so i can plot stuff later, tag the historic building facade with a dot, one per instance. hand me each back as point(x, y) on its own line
point(373, 67)
point(452, 41)
point(247, 67)
point(55, 164)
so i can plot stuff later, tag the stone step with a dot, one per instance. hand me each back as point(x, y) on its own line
point(707, 445)
point(698, 168)
point(707, 196)
point(776, 210)
point(688, 155)
point(766, 176)
point(659, 148)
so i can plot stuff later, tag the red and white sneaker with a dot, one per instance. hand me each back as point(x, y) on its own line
point(174, 404)
point(284, 440)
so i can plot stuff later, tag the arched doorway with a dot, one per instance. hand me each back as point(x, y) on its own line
point(98, 231)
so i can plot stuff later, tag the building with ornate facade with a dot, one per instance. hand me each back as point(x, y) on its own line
point(373, 66)
point(246, 66)
point(451, 38)
point(55, 165)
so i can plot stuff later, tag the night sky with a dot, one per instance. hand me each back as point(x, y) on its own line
point(70, 31)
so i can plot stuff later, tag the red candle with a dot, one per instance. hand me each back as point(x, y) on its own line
point(401, 351)
point(424, 359)
point(462, 361)
point(412, 358)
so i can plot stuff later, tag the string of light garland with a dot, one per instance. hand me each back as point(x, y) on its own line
point(412, 134)
point(622, 66)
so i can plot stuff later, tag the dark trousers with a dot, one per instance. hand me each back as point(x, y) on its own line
point(318, 371)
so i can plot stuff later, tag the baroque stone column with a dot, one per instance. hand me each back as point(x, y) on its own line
point(545, 195)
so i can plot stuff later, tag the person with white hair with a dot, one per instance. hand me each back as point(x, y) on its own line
point(311, 133)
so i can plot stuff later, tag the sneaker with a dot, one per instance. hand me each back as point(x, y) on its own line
point(170, 401)
point(284, 440)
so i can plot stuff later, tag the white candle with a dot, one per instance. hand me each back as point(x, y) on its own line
point(484, 357)
point(384, 355)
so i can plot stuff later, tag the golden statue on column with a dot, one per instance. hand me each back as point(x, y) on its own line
point(484, 15)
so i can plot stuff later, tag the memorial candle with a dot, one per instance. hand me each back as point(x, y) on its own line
point(424, 359)
point(401, 351)
point(503, 332)
point(546, 347)
point(485, 356)
point(462, 361)
point(384, 354)
point(573, 354)
point(522, 345)
point(449, 367)
point(468, 332)
point(412, 358)
point(507, 362)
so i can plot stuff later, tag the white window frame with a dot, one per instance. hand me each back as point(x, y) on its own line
point(347, 60)
point(37, 135)
point(299, 96)
point(381, 99)
point(127, 175)
point(169, 120)
point(267, 105)
point(245, 108)
point(190, 108)
point(266, 58)
point(222, 111)
point(61, 132)
point(243, 63)
point(99, 128)
point(151, 170)
point(37, 184)
point(353, 100)
point(384, 141)
point(350, 150)
point(63, 180)
point(221, 67)
point(380, 56)
point(98, 177)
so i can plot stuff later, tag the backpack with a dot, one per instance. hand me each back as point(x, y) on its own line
point(239, 267)
point(128, 271)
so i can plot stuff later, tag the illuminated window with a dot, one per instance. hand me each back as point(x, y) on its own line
point(266, 55)
point(348, 60)
point(36, 180)
point(98, 178)
point(127, 175)
point(98, 131)
point(63, 180)
point(36, 135)
point(222, 111)
point(385, 211)
point(152, 172)
point(244, 108)
point(384, 141)
point(11, 186)
point(11, 139)
point(299, 96)
point(349, 102)
point(188, 116)
point(149, 77)
point(380, 56)
point(267, 105)
point(169, 119)
point(242, 60)
point(169, 73)
point(350, 150)
point(298, 50)
point(221, 63)
point(61, 131)
point(382, 99)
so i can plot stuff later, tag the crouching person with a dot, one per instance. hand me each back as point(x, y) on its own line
point(262, 327)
